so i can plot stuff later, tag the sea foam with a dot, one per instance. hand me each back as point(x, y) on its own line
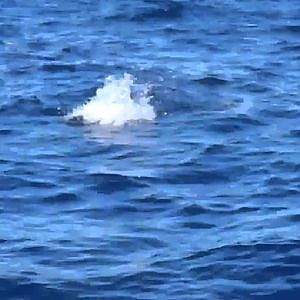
point(119, 101)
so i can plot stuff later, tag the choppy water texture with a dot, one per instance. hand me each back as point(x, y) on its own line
point(198, 199)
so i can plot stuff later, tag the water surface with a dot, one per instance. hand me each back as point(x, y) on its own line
point(200, 202)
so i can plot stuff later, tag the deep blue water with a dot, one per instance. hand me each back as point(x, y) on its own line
point(202, 202)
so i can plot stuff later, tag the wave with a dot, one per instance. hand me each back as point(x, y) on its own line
point(119, 101)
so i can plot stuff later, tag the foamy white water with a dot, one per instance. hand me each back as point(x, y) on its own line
point(114, 104)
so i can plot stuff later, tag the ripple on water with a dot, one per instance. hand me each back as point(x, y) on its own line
point(197, 201)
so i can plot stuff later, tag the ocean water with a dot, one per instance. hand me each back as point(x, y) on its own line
point(149, 149)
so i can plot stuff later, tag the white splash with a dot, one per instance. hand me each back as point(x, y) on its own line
point(114, 103)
